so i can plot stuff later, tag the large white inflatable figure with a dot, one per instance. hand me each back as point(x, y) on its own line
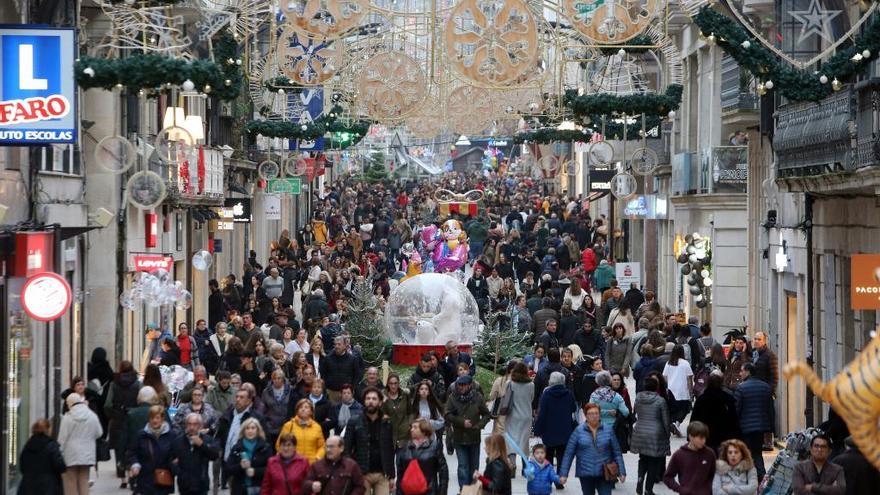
point(431, 309)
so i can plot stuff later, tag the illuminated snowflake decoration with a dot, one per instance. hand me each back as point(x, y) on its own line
point(242, 17)
point(491, 41)
point(306, 60)
point(326, 19)
point(391, 85)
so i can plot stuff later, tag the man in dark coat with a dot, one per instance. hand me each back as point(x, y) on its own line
point(754, 406)
point(216, 304)
point(425, 371)
point(41, 463)
point(334, 474)
point(862, 478)
point(590, 340)
point(194, 451)
point(368, 440)
point(543, 376)
point(451, 360)
point(339, 368)
point(717, 409)
point(230, 421)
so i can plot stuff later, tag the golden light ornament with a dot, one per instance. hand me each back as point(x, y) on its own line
point(610, 21)
point(391, 85)
point(325, 19)
point(491, 42)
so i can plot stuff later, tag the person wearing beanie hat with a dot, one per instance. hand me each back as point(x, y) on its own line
point(80, 428)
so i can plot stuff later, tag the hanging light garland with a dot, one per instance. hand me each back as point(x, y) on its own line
point(795, 84)
point(330, 123)
point(650, 104)
point(151, 73)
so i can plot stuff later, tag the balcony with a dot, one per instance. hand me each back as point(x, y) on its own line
point(739, 103)
point(815, 139)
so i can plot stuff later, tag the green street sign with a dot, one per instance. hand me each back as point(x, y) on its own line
point(287, 185)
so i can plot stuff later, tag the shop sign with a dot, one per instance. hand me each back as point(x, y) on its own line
point(37, 88)
point(645, 206)
point(151, 262)
point(600, 180)
point(272, 206)
point(34, 253)
point(236, 210)
point(865, 281)
point(730, 167)
point(628, 273)
point(46, 296)
point(218, 245)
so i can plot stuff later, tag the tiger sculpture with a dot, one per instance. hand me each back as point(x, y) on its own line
point(854, 393)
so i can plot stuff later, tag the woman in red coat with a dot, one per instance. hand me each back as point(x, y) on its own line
point(286, 470)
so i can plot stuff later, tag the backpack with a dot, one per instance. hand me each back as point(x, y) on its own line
point(413, 481)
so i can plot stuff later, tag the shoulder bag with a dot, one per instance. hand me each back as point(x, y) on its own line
point(506, 399)
point(610, 470)
point(162, 477)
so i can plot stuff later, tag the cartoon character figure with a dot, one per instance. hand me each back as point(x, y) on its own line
point(450, 253)
point(412, 263)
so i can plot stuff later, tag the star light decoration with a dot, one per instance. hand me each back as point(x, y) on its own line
point(391, 86)
point(306, 60)
point(146, 29)
point(815, 20)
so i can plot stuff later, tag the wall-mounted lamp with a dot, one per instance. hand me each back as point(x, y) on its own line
point(782, 256)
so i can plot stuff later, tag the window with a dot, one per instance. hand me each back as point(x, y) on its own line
point(60, 158)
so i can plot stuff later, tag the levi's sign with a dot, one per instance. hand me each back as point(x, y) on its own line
point(37, 89)
point(152, 262)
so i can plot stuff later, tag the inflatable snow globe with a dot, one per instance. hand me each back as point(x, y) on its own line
point(428, 310)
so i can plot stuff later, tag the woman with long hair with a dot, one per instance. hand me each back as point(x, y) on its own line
point(153, 378)
point(196, 405)
point(300, 343)
point(680, 384)
point(315, 356)
point(257, 345)
point(576, 295)
point(735, 472)
point(231, 359)
point(507, 294)
point(499, 469)
point(589, 309)
point(425, 405)
point(423, 447)
point(618, 350)
point(518, 425)
point(650, 436)
point(121, 397)
point(248, 459)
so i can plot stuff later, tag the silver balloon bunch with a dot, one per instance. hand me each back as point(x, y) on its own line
point(696, 263)
point(156, 289)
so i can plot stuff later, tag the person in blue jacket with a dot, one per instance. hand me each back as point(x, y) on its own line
point(594, 445)
point(543, 476)
point(556, 419)
point(152, 450)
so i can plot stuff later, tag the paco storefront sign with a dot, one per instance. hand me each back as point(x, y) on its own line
point(865, 281)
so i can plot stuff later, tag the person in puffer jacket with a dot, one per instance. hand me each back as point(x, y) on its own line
point(735, 472)
point(543, 476)
point(594, 445)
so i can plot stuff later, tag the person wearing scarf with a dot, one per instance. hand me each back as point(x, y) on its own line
point(248, 459)
point(346, 409)
point(152, 450)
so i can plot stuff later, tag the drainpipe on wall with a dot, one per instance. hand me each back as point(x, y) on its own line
point(809, 412)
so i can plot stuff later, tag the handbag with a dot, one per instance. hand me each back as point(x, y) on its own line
point(610, 470)
point(102, 450)
point(162, 477)
point(506, 399)
point(474, 489)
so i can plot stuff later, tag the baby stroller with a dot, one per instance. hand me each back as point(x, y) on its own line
point(779, 477)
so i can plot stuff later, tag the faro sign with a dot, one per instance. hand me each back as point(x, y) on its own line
point(37, 88)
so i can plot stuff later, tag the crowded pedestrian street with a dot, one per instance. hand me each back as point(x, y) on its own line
point(446, 247)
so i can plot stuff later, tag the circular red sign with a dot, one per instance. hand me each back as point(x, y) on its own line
point(46, 296)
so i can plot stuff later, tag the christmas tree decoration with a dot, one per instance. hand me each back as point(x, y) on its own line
point(502, 339)
point(364, 324)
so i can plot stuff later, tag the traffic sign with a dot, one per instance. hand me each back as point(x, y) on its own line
point(287, 185)
point(46, 296)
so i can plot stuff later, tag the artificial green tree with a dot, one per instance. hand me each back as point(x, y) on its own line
point(364, 324)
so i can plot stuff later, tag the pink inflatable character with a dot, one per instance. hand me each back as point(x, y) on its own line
point(451, 253)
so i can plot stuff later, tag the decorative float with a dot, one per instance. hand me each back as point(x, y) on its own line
point(426, 311)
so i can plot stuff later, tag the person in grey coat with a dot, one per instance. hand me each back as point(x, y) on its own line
point(519, 419)
point(650, 436)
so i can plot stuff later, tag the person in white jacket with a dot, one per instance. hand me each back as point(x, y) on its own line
point(80, 428)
